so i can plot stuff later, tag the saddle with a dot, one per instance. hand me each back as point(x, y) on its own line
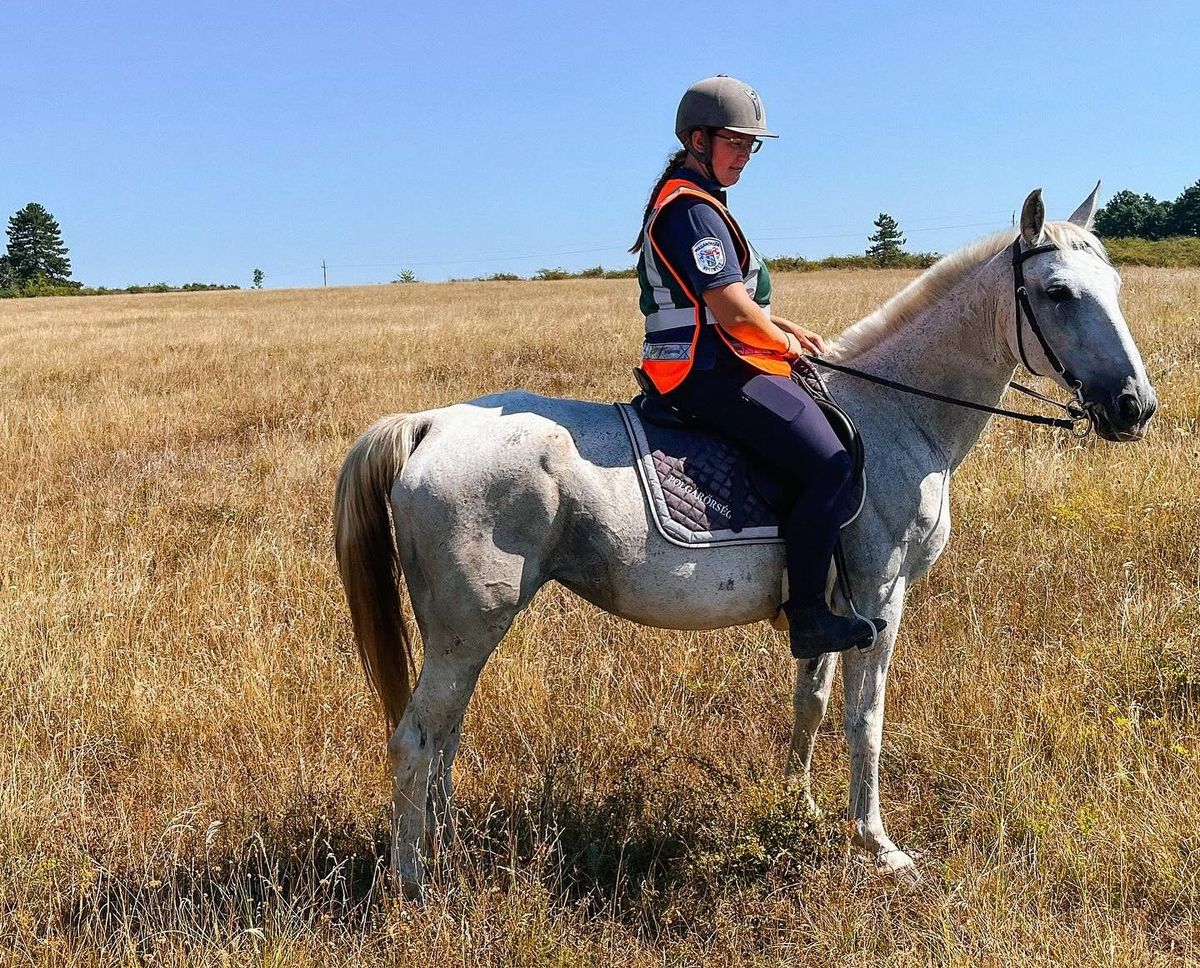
point(705, 490)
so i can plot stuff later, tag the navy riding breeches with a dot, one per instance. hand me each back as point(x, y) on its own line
point(776, 420)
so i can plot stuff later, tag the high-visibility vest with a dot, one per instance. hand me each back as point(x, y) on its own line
point(675, 314)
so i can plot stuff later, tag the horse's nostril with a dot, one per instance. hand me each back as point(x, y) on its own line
point(1129, 407)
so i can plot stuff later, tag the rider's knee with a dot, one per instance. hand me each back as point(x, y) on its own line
point(832, 473)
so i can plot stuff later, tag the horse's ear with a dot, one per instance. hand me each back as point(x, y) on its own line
point(1033, 217)
point(1086, 213)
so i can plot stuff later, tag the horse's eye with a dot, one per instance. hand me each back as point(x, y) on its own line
point(1058, 293)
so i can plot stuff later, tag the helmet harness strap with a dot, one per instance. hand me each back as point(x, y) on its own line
point(703, 157)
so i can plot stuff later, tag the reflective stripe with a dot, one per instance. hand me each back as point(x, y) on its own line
point(666, 351)
point(666, 319)
point(674, 319)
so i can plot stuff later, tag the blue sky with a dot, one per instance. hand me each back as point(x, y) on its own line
point(196, 141)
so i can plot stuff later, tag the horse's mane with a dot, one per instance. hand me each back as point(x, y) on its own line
point(911, 301)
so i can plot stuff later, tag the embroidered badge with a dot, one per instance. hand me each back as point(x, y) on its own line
point(709, 255)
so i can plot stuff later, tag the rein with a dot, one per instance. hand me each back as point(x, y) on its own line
point(1076, 413)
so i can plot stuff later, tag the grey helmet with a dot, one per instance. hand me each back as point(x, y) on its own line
point(721, 102)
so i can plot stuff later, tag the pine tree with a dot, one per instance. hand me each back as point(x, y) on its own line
point(35, 248)
point(886, 242)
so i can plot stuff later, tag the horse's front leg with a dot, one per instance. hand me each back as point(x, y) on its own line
point(814, 681)
point(864, 676)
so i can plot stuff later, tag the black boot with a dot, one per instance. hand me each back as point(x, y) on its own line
point(814, 630)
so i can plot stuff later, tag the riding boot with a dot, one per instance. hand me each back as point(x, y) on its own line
point(814, 630)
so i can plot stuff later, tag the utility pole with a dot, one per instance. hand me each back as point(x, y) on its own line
point(324, 275)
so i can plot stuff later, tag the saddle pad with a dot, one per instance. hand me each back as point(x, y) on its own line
point(697, 486)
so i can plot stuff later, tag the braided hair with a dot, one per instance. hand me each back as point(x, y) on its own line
point(673, 163)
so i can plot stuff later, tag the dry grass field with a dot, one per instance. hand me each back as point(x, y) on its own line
point(193, 770)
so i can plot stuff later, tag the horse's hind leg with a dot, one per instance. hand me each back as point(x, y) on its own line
point(441, 786)
point(424, 744)
point(814, 680)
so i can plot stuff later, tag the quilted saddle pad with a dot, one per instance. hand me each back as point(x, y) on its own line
point(701, 489)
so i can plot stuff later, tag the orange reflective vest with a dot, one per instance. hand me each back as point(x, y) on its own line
point(675, 314)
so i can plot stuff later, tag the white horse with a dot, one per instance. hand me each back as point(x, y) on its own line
point(491, 499)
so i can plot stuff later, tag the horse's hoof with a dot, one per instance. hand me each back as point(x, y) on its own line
point(412, 887)
point(899, 866)
point(413, 891)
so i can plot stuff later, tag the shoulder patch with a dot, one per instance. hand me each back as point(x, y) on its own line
point(709, 255)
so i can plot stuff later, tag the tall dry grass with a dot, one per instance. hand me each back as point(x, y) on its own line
point(193, 769)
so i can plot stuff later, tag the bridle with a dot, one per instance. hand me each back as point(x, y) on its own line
point(1025, 314)
point(1078, 419)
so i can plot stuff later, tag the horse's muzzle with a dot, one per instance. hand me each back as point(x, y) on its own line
point(1124, 416)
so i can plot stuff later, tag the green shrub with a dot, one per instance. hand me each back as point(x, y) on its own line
point(900, 260)
point(156, 287)
point(595, 272)
point(40, 285)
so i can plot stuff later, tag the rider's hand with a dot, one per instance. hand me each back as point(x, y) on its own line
point(804, 340)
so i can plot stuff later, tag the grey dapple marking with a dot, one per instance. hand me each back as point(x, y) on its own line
point(493, 498)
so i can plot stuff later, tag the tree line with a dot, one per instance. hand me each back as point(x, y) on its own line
point(1128, 215)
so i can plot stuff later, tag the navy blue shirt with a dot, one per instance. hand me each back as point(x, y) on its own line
point(695, 239)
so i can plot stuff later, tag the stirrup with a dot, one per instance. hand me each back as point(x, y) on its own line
point(817, 631)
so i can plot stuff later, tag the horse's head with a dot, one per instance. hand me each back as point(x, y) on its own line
point(1070, 294)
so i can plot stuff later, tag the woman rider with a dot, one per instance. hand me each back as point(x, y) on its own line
point(717, 355)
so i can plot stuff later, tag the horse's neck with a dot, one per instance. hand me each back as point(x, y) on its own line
point(952, 348)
